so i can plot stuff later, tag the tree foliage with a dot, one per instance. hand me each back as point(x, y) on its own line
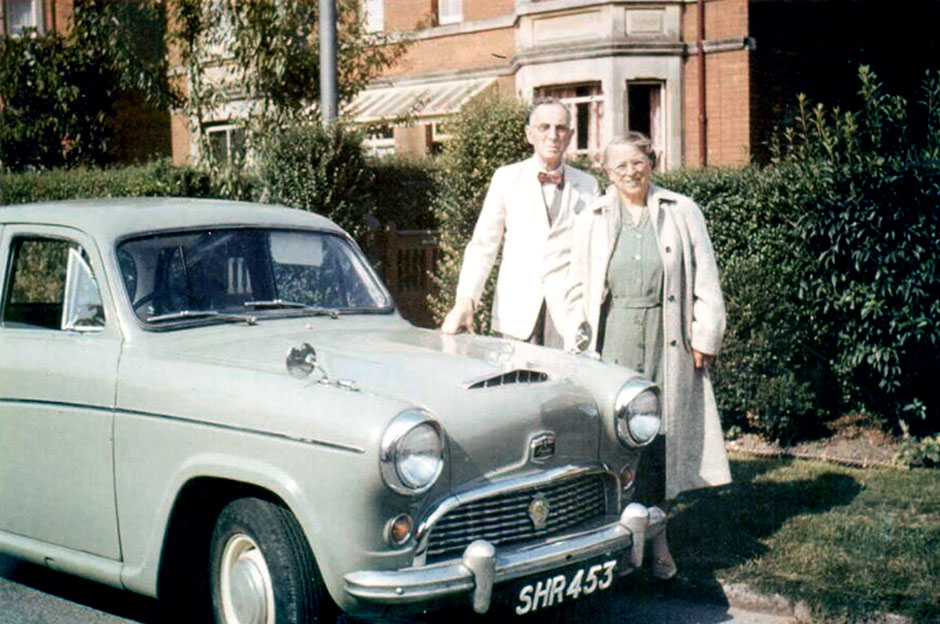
point(256, 64)
point(57, 91)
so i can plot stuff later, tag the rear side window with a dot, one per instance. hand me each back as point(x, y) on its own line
point(52, 286)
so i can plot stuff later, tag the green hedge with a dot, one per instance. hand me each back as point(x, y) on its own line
point(157, 178)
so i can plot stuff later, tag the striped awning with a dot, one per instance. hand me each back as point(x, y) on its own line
point(432, 99)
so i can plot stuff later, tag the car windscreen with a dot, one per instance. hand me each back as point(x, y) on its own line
point(237, 271)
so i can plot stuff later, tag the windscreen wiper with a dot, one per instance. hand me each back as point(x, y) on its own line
point(302, 308)
point(203, 314)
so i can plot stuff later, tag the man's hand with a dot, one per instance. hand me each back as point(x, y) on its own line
point(460, 317)
point(702, 360)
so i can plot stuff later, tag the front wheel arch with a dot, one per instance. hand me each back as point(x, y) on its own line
point(261, 569)
point(183, 582)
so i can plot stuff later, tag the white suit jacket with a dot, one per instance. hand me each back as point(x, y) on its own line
point(535, 256)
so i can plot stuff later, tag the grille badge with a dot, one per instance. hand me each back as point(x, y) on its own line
point(542, 448)
point(538, 511)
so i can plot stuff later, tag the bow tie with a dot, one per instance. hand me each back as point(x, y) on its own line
point(557, 178)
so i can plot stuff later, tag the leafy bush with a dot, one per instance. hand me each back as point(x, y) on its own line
point(773, 375)
point(157, 178)
point(487, 134)
point(321, 170)
point(402, 192)
point(871, 231)
point(58, 91)
point(924, 453)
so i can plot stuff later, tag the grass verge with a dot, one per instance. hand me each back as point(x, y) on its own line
point(848, 542)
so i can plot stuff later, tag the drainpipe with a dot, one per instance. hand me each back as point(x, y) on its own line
point(328, 97)
point(702, 118)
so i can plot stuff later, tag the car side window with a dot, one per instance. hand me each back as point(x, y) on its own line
point(51, 285)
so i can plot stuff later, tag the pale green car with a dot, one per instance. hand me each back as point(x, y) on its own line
point(218, 402)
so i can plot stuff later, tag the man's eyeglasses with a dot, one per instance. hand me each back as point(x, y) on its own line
point(635, 165)
point(544, 128)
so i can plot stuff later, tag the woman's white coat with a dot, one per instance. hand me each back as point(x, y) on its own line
point(693, 318)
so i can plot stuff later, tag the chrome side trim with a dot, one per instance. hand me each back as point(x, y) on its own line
point(193, 421)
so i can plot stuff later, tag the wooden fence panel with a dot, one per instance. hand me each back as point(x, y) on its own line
point(405, 259)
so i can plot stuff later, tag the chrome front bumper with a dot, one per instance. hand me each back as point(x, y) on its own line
point(481, 566)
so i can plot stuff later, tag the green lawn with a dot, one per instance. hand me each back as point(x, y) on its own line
point(848, 542)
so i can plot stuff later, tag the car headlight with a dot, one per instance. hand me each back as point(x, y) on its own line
point(412, 453)
point(637, 412)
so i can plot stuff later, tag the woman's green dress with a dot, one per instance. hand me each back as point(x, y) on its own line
point(633, 331)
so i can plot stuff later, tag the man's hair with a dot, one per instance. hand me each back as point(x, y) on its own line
point(634, 139)
point(547, 101)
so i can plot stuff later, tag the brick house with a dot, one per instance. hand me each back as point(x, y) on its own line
point(707, 79)
point(618, 64)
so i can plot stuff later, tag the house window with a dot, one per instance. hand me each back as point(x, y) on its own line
point(381, 142)
point(449, 11)
point(645, 112)
point(374, 15)
point(227, 143)
point(21, 14)
point(585, 102)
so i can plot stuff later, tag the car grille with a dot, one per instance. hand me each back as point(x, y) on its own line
point(512, 377)
point(504, 518)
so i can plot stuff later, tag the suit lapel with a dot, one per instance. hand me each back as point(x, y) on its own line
point(533, 193)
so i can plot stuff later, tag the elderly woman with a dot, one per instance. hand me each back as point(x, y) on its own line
point(643, 277)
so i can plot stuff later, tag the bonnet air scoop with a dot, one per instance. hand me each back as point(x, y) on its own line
point(518, 376)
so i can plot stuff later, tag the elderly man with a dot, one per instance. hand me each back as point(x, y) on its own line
point(529, 209)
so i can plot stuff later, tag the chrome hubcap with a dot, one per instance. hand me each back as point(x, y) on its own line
point(246, 588)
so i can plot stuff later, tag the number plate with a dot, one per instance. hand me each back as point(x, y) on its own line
point(565, 585)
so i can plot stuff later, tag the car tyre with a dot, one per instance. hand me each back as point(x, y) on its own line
point(262, 570)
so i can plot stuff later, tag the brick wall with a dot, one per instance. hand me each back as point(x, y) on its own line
point(724, 19)
point(405, 14)
point(59, 14)
point(727, 85)
point(485, 9)
point(467, 51)
point(180, 140)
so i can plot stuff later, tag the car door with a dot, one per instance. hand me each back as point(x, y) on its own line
point(59, 348)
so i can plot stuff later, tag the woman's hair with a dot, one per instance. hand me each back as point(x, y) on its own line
point(635, 139)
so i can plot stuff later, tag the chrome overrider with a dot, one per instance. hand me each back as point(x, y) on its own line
point(482, 565)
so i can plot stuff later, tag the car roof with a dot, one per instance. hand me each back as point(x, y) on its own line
point(114, 218)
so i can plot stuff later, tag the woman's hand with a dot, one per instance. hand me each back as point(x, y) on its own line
point(702, 360)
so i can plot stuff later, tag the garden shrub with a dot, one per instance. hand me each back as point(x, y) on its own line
point(773, 375)
point(58, 91)
point(923, 453)
point(486, 135)
point(321, 170)
point(402, 192)
point(156, 178)
point(871, 233)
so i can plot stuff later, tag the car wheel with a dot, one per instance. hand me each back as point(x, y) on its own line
point(262, 569)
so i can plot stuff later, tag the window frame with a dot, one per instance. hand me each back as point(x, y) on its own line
point(657, 133)
point(74, 249)
point(373, 20)
point(454, 14)
point(595, 103)
point(37, 9)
